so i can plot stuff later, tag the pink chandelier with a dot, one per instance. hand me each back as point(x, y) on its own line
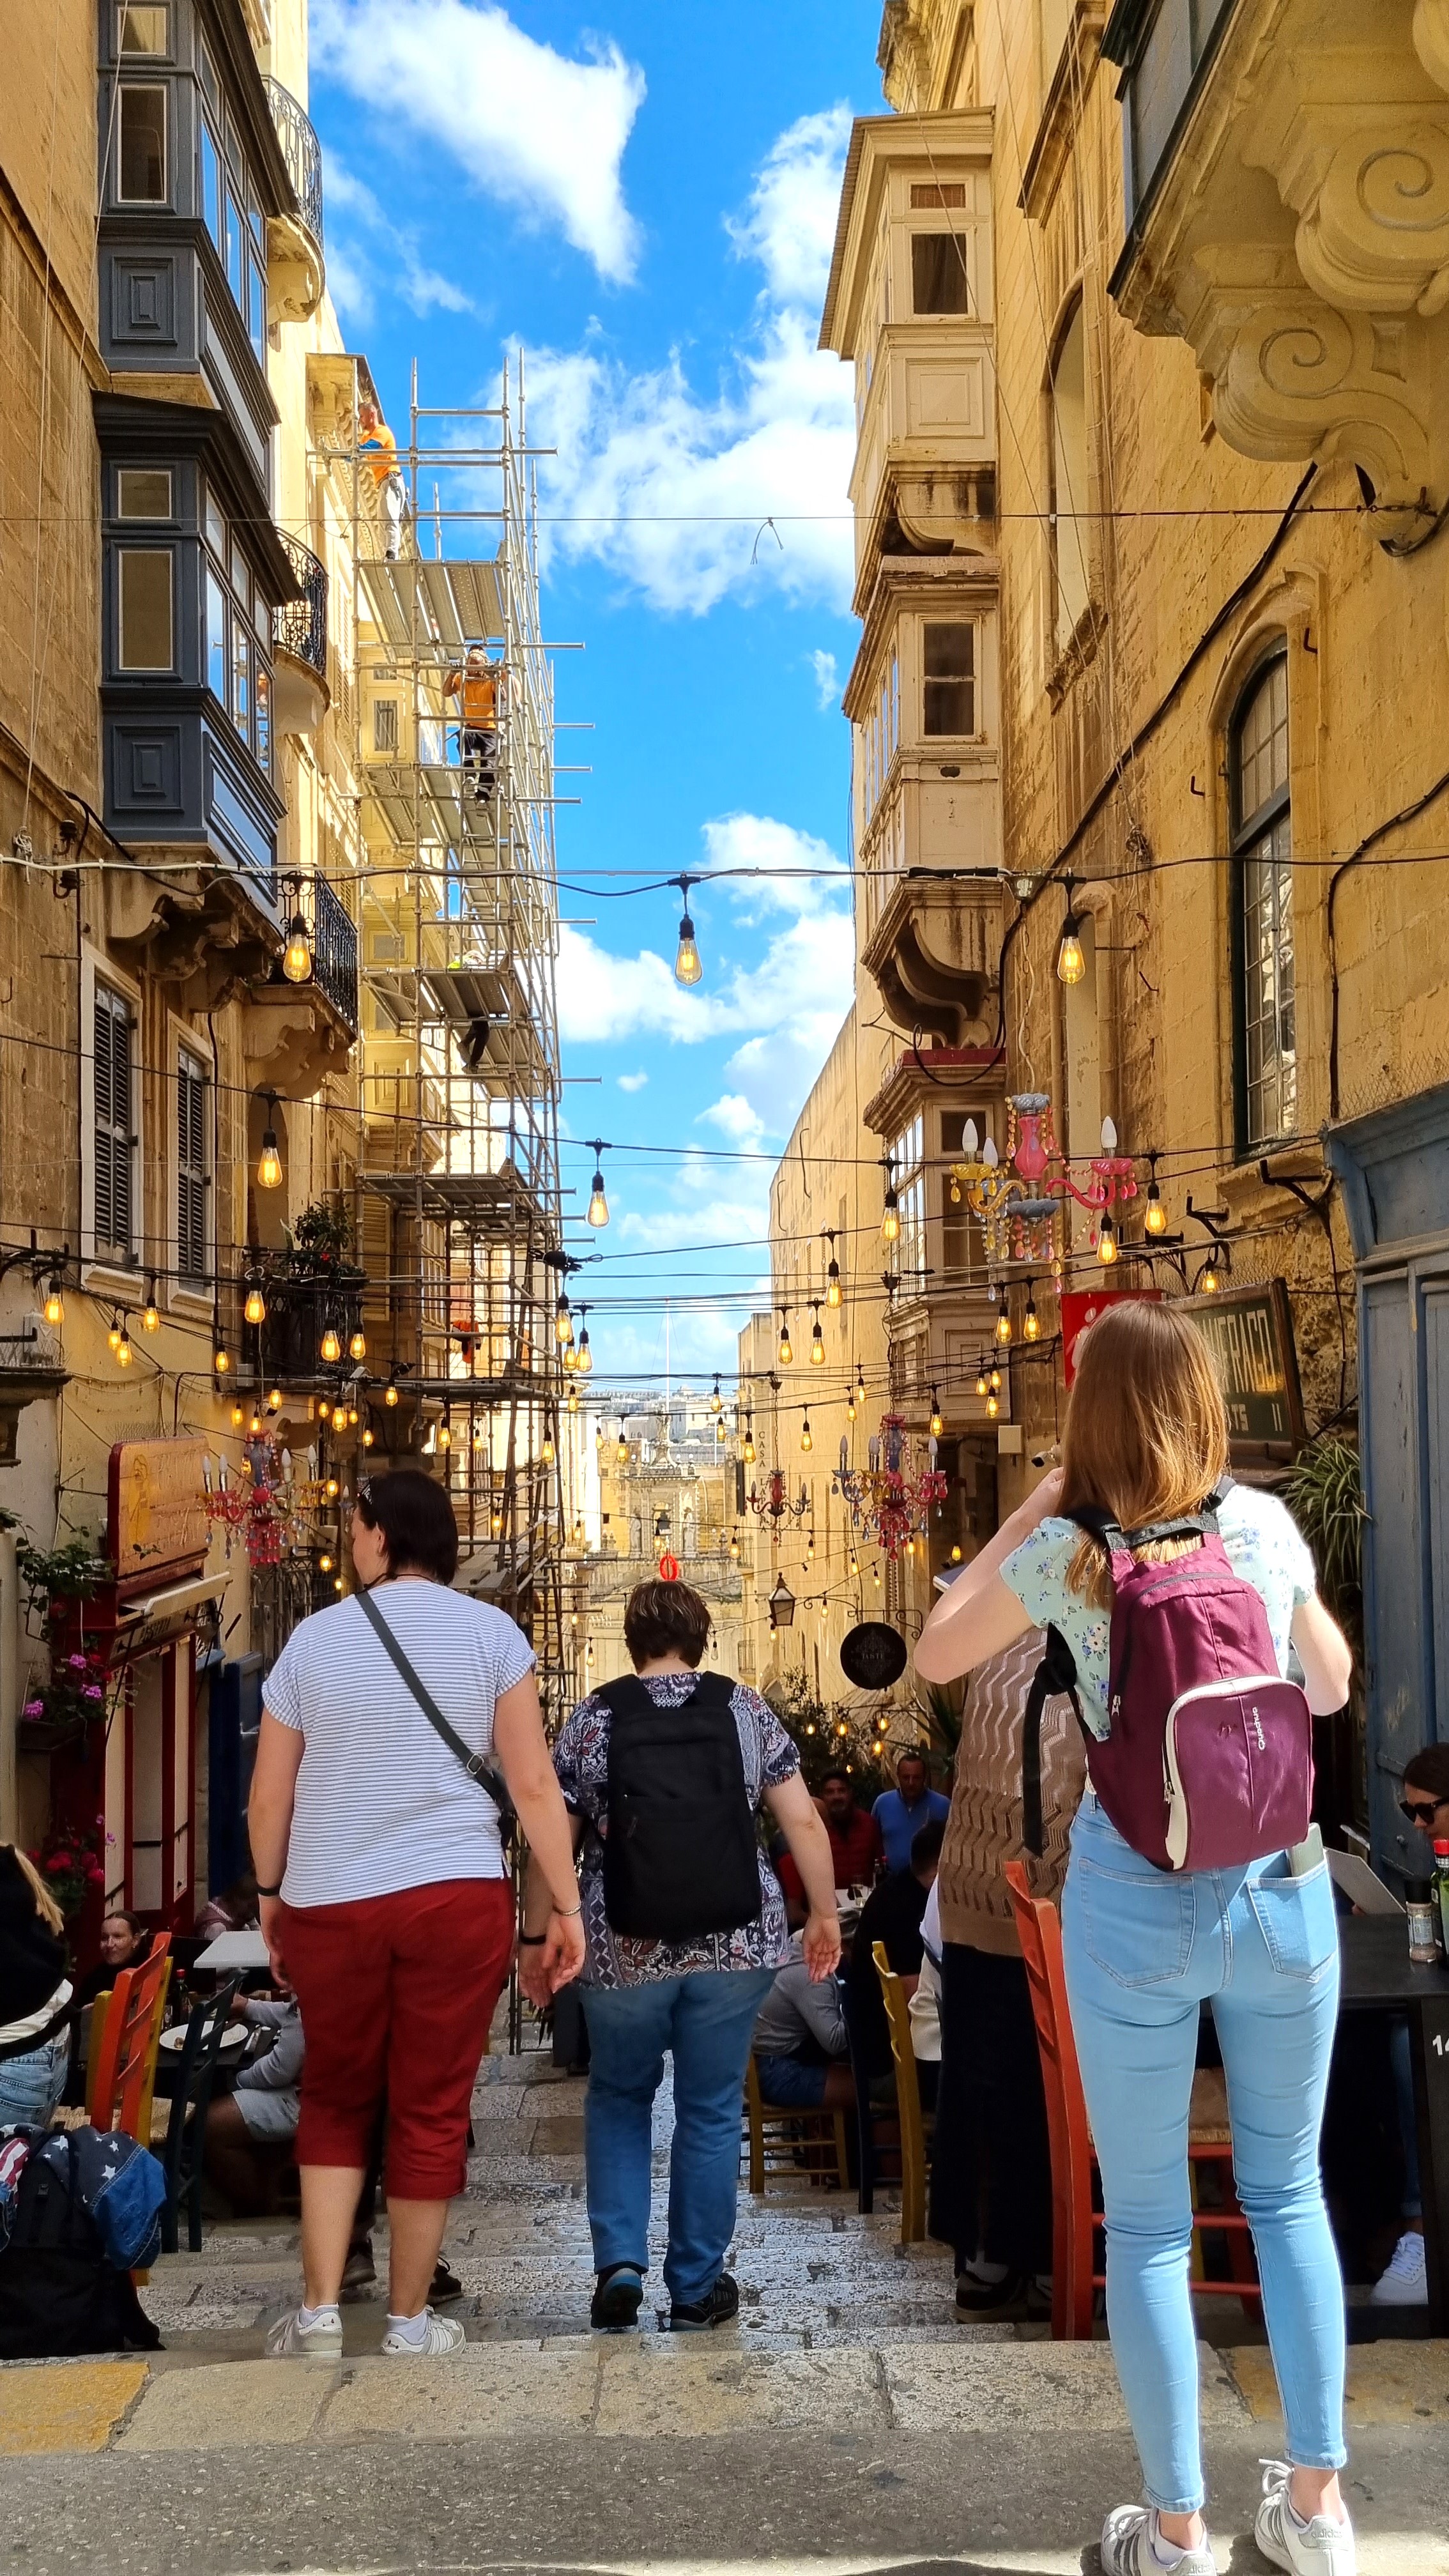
point(889, 1502)
point(1020, 1202)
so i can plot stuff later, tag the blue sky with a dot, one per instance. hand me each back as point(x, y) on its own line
point(642, 198)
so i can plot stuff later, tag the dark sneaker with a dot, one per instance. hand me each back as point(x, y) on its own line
point(978, 2298)
point(614, 2306)
point(444, 2286)
point(720, 2309)
point(359, 2273)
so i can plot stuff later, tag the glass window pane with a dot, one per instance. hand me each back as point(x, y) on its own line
point(264, 715)
point(144, 594)
point(255, 217)
point(143, 145)
point(209, 80)
point(241, 580)
point(215, 524)
point(235, 257)
point(215, 636)
point(241, 678)
point(233, 144)
point(257, 308)
point(950, 681)
point(211, 184)
point(142, 29)
point(143, 492)
point(1069, 479)
point(938, 273)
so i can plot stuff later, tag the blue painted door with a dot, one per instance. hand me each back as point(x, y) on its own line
point(1404, 1417)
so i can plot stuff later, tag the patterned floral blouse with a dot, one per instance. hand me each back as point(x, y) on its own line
point(581, 1759)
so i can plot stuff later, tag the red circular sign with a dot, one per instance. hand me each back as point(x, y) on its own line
point(668, 1569)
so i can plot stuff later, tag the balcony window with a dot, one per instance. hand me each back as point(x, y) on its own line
point(241, 679)
point(142, 30)
point(938, 273)
point(1068, 400)
point(232, 213)
point(263, 741)
point(1263, 851)
point(1159, 83)
point(237, 671)
point(142, 145)
point(384, 724)
point(908, 1254)
point(143, 492)
point(144, 640)
point(949, 682)
point(962, 1249)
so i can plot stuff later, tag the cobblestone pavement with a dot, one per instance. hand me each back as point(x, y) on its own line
point(846, 2422)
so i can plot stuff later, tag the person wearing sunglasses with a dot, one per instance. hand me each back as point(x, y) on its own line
point(1404, 2282)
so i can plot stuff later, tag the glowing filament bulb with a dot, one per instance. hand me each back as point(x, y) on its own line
point(54, 1304)
point(1003, 1327)
point(339, 1417)
point(114, 1335)
point(357, 1347)
point(832, 1285)
point(389, 1394)
point(151, 1313)
point(1031, 1322)
point(817, 1348)
point(806, 1436)
point(1154, 1218)
point(255, 1309)
point(221, 1359)
point(297, 955)
point(546, 1453)
point(937, 1424)
point(331, 1347)
point(274, 1400)
point(687, 968)
point(1071, 958)
point(993, 1407)
point(1106, 1243)
point(269, 1169)
point(598, 1213)
point(238, 1417)
point(890, 1224)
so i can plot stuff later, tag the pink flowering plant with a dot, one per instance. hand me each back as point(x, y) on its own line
point(70, 1864)
point(72, 1701)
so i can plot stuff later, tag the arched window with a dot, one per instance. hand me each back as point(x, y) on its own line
point(1263, 881)
point(1068, 397)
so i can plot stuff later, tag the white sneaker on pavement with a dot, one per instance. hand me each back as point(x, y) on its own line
point(1316, 2548)
point(1404, 2282)
point(1132, 2546)
point(439, 2334)
point(293, 2338)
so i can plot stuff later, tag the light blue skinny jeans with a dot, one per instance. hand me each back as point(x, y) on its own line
point(1143, 1951)
point(705, 2020)
point(31, 2086)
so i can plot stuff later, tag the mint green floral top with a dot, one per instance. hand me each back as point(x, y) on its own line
point(1263, 1543)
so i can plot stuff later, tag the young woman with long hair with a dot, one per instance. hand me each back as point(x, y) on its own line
point(1146, 1441)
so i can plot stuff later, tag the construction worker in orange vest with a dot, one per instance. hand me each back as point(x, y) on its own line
point(479, 688)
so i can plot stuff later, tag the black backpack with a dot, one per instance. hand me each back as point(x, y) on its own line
point(680, 1858)
point(58, 2294)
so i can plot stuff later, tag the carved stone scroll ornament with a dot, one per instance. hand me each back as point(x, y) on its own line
point(1431, 38)
point(1374, 210)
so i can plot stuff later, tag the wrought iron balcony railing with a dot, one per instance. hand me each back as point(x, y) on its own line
point(301, 626)
point(333, 942)
point(300, 150)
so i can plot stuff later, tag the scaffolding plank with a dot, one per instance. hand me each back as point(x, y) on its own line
point(449, 604)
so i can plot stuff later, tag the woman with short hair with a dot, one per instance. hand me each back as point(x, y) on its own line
point(1146, 1445)
point(675, 1765)
point(384, 1893)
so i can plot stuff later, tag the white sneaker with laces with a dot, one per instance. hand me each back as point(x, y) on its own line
point(1404, 2283)
point(1132, 2545)
point(292, 2339)
point(1316, 2548)
point(440, 2334)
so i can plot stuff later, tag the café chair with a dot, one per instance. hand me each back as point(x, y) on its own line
point(185, 2139)
point(1076, 2185)
point(122, 2077)
point(916, 2125)
point(877, 2130)
point(784, 2139)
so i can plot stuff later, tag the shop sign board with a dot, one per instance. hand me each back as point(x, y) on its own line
point(1250, 1334)
point(1080, 1309)
point(156, 1519)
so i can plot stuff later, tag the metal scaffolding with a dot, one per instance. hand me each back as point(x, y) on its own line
point(459, 1219)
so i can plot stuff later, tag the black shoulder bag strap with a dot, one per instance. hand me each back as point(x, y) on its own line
point(1055, 1678)
point(477, 1765)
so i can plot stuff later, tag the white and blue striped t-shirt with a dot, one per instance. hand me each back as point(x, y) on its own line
point(381, 1803)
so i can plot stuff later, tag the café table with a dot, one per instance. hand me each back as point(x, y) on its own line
point(1378, 1975)
point(246, 1950)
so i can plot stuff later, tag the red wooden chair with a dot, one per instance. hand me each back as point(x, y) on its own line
point(1076, 2211)
point(119, 2092)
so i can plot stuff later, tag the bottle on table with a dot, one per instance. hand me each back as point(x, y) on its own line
point(1441, 1890)
point(1421, 1906)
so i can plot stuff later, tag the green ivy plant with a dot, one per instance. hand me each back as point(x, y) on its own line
point(1323, 1490)
point(74, 1571)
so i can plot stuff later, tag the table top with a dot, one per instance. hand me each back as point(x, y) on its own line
point(1377, 1969)
point(234, 1950)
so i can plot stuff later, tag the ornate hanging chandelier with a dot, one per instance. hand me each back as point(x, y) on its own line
point(890, 1501)
point(1020, 1202)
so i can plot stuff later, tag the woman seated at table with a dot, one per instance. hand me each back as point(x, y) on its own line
point(235, 1910)
point(125, 1942)
point(251, 2132)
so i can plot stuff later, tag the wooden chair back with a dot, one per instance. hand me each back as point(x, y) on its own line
point(186, 2138)
point(123, 2076)
point(775, 2131)
point(1070, 2137)
point(908, 2100)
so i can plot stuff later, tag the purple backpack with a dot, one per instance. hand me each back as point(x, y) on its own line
point(1209, 1762)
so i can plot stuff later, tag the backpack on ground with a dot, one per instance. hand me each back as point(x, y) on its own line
point(58, 2293)
point(680, 1857)
point(1209, 1760)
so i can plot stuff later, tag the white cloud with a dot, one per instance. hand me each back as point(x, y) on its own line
point(735, 1118)
point(794, 867)
point(804, 981)
point(789, 225)
point(632, 1081)
point(373, 249)
point(542, 133)
point(671, 487)
point(827, 681)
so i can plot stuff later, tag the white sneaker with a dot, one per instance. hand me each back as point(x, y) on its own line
point(1128, 2537)
point(440, 2334)
point(1404, 2283)
point(1316, 2548)
point(291, 2340)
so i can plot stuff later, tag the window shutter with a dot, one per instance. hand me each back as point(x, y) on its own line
point(114, 1149)
point(191, 1169)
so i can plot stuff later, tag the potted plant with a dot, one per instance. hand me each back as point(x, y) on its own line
point(64, 1709)
point(71, 1866)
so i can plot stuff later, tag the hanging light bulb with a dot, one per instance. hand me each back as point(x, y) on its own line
point(54, 1302)
point(598, 1211)
point(151, 1312)
point(445, 1433)
point(572, 1405)
point(890, 1224)
point(993, 1407)
point(331, 1347)
point(1071, 957)
point(332, 1489)
point(571, 1359)
point(1154, 1215)
point(221, 1359)
point(735, 1547)
point(817, 1345)
point(496, 1525)
point(123, 1350)
point(255, 1309)
point(274, 1400)
point(956, 1555)
point(269, 1168)
point(339, 1417)
point(297, 955)
point(336, 1582)
point(832, 1285)
point(1031, 1321)
point(850, 1406)
point(352, 1417)
point(324, 1563)
point(1208, 1281)
point(786, 1350)
point(389, 1394)
point(621, 1454)
point(357, 1347)
point(563, 1322)
point(981, 1378)
point(687, 968)
point(238, 1416)
point(855, 1565)
point(546, 1453)
point(585, 1356)
point(254, 1427)
point(114, 1335)
point(860, 1386)
point(1106, 1242)
point(937, 1423)
point(716, 1401)
point(995, 1381)
point(368, 1435)
point(1003, 1327)
point(749, 1448)
point(806, 1436)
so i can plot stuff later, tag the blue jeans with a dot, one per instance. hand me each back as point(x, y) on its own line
point(31, 2086)
point(706, 2021)
point(794, 2082)
point(1143, 1950)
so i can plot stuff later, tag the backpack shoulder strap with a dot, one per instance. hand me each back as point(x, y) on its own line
point(713, 1690)
point(477, 1765)
point(625, 1697)
point(1055, 1677)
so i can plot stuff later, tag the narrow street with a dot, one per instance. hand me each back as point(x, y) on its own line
point(846, 2423)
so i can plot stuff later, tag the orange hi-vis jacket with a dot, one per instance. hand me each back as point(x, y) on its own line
point(479, 693)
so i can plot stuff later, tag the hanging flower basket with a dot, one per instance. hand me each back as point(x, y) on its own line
point(68, 1705)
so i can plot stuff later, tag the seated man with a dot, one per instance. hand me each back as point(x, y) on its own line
point(250, 2132)
point(855, 1844)
point(1405, 2282)
point(892, 1915)
point(800, 2041)
point(900, 1812)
